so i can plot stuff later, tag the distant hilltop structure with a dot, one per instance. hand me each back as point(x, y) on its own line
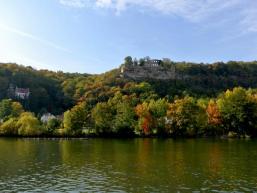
point(147, 68)
point(22, 93)
point(18, 93)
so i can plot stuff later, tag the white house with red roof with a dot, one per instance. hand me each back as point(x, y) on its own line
point(22, 93)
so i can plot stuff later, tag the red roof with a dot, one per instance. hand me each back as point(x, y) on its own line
point(22, 90)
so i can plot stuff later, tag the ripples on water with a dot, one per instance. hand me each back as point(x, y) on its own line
point(139, 165)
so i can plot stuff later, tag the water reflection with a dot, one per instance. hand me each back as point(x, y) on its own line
point(139, 165)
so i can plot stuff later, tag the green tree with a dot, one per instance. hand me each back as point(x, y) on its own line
point(28, 125)
point(76, 119)
point(9, 127)
point(17, 109)
point(124, 122)
point(8, 109)
point(103, 115)
point(158, 109)
point(5, 108)
point(128, 61)
point(238, 111)
point(52, 125)
point(141, 62)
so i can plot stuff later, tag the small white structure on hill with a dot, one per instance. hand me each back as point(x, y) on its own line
point(22, 93)
point(46, 117)
point(153, 63)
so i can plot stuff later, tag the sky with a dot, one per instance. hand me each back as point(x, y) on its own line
point(94, 36)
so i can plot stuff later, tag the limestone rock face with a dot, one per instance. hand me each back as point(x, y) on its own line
point(146, 72)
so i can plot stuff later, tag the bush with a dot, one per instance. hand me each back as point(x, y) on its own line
point(9, 128)
point(52, 125)
point(28, 125)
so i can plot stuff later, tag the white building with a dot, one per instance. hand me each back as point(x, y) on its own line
point(46, 117)
point(22, 93)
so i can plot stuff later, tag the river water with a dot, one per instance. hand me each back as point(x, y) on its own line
point(128, 165)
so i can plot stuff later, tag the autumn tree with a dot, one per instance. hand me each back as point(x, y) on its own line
point(152, 116)
point(28, 125)
point(185, 117)
point(9, 127)
point(144, 118)
point(214, 119)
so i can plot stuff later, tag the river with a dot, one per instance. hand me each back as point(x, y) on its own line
point(128, 165)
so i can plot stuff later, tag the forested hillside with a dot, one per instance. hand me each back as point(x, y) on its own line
point(202, 100)
point(49, 90)
point(57, 91)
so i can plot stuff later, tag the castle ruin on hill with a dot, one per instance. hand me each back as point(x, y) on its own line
point(149, 69)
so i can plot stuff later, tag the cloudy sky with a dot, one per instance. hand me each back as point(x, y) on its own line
point(95, 35)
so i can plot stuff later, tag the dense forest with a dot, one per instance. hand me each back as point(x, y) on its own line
point(216, 99)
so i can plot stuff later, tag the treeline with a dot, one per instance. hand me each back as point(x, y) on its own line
point(192, 105)
point(197, 80)
point(49, 90)
point(55, 92)
point(233, 114)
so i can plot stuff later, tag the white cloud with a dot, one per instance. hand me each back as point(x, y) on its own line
point(103, 3)
point(193, 10)
point(74, 3)
point(250, 20)
point(190, 10)
point(32, 37)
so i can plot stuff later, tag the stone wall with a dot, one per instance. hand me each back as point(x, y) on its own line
point(145, 72)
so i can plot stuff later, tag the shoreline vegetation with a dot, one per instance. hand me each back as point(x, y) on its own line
point(210, 100)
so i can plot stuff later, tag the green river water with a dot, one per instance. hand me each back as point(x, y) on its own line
point(128, 165)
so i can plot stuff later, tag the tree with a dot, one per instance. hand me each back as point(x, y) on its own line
point(144, 118)
point(76, 119)
point(135, 62)
point(52, 125)
point(238, 111)
point(158, 109)
point(124, 122)
point(28, 125)
point(17, 109)
point(5, 108)
point(103, 115)
point(9, 109)
point(185, 117)
point(214, 119)
point(67, 122)
point(9, 127)
point(152, 116)
point(141, 62)
point(128, 61)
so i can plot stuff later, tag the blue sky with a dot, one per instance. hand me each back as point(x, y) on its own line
point(94, 36)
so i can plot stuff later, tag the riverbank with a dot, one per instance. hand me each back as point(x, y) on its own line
point(229, 136)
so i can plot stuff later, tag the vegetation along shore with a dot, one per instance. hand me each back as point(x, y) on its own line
point(195, 100)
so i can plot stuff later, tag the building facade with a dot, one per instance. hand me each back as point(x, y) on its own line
point(22, 93)
point(152, 63)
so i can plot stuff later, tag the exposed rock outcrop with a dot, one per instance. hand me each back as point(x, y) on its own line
point(148, 72)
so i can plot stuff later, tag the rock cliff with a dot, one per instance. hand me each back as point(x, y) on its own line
point(146, 72)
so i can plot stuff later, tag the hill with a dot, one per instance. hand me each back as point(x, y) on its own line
point(56, 92)
point(49, 90)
